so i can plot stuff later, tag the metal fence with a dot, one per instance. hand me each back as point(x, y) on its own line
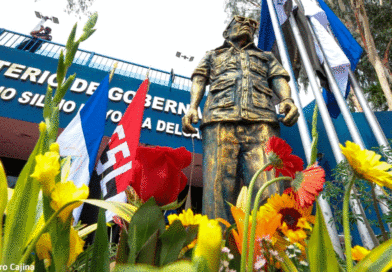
point(91, 59)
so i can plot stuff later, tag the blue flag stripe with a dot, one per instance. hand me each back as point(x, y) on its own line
point(93, 118)
point(349, 45)
point(266, 32)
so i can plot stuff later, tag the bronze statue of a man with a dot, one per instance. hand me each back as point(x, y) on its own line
point(239, 115)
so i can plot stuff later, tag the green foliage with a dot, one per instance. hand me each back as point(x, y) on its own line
point(172, 241)
point(146, 240)
point(313, 156)
point(147, 221)
point(320, 251)
point(3, 201)
point(173, 267)
point(334, 192)
point(376, 97)
point(100, 255)
point(21, 210)
point(379, 259)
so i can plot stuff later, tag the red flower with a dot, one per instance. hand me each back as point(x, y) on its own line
point(118, 221)
point(157, 173)
point(307, 185)
point(279, 153)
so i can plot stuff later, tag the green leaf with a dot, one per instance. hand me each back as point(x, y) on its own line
point(287, 264)
point(321, 255)
point(21, 211)
point(100, 258)
point(147, 219)
point(174, 205)
point(314, 151)
point(148, 252)
point(87, 230)
point(313, 156)
point(3, 200)
point(91, 22)
point(61, 70)
point(39, 265)
point(172, 241)
point(379, 259)
point(48, 103)
point(124, 210)
point(70, 55)
point(71, 38)
point(231, 244)
point(53, 129)
point(123, 249)
point(86, 35)
point(63, 90)
point(201, 264)
point(60, 238)
point(191, 234)
point(179, 266)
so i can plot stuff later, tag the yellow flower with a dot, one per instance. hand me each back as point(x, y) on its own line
point(75, 246)
point(358, 253)
point(209, 240)
point(367, 164)
point(242, 198)
point(46, 169)
point(42, 127)
point(294, 219)
point(65, 192)
point(55, 147)
point(44, 247)
point(187, 218)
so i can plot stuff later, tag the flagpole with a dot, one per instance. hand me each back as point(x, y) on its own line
point(377, 131)
point(331, 133)
point(302, 126)
point(364, 230)
point(375, 127)
point(329, 127)
point(112, 71)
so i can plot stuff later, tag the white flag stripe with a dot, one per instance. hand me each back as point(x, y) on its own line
point(116, 172)
point(336, 58)
point(112, 157)
point(71, 142)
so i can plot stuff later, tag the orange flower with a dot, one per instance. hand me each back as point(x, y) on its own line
point(279, 153)
point(294, 219)
point(307, 185)
point(265, 229)
point(358, 253)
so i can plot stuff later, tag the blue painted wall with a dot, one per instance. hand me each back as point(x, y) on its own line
point(13, 109)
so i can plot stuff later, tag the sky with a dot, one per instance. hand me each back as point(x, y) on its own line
point(147, 32)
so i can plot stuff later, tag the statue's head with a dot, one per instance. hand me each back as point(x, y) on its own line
point(240, 28)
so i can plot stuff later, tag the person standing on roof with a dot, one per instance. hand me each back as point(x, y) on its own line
point(33, 45)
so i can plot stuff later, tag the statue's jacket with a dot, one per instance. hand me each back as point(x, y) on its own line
point(240, 84)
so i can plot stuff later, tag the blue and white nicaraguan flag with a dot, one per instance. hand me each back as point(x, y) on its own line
point(341, 58)
point(81, 139)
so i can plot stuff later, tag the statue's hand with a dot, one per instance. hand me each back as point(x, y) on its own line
point(288, 108)
point(190, 117)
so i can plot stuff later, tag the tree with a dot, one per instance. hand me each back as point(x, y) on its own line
point(248, 8)
point(369, 22)
point(79, 7)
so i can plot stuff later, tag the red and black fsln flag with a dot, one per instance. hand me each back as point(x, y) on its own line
point(114, 169)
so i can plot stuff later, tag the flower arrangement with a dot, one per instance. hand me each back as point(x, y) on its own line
point(281, 235)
